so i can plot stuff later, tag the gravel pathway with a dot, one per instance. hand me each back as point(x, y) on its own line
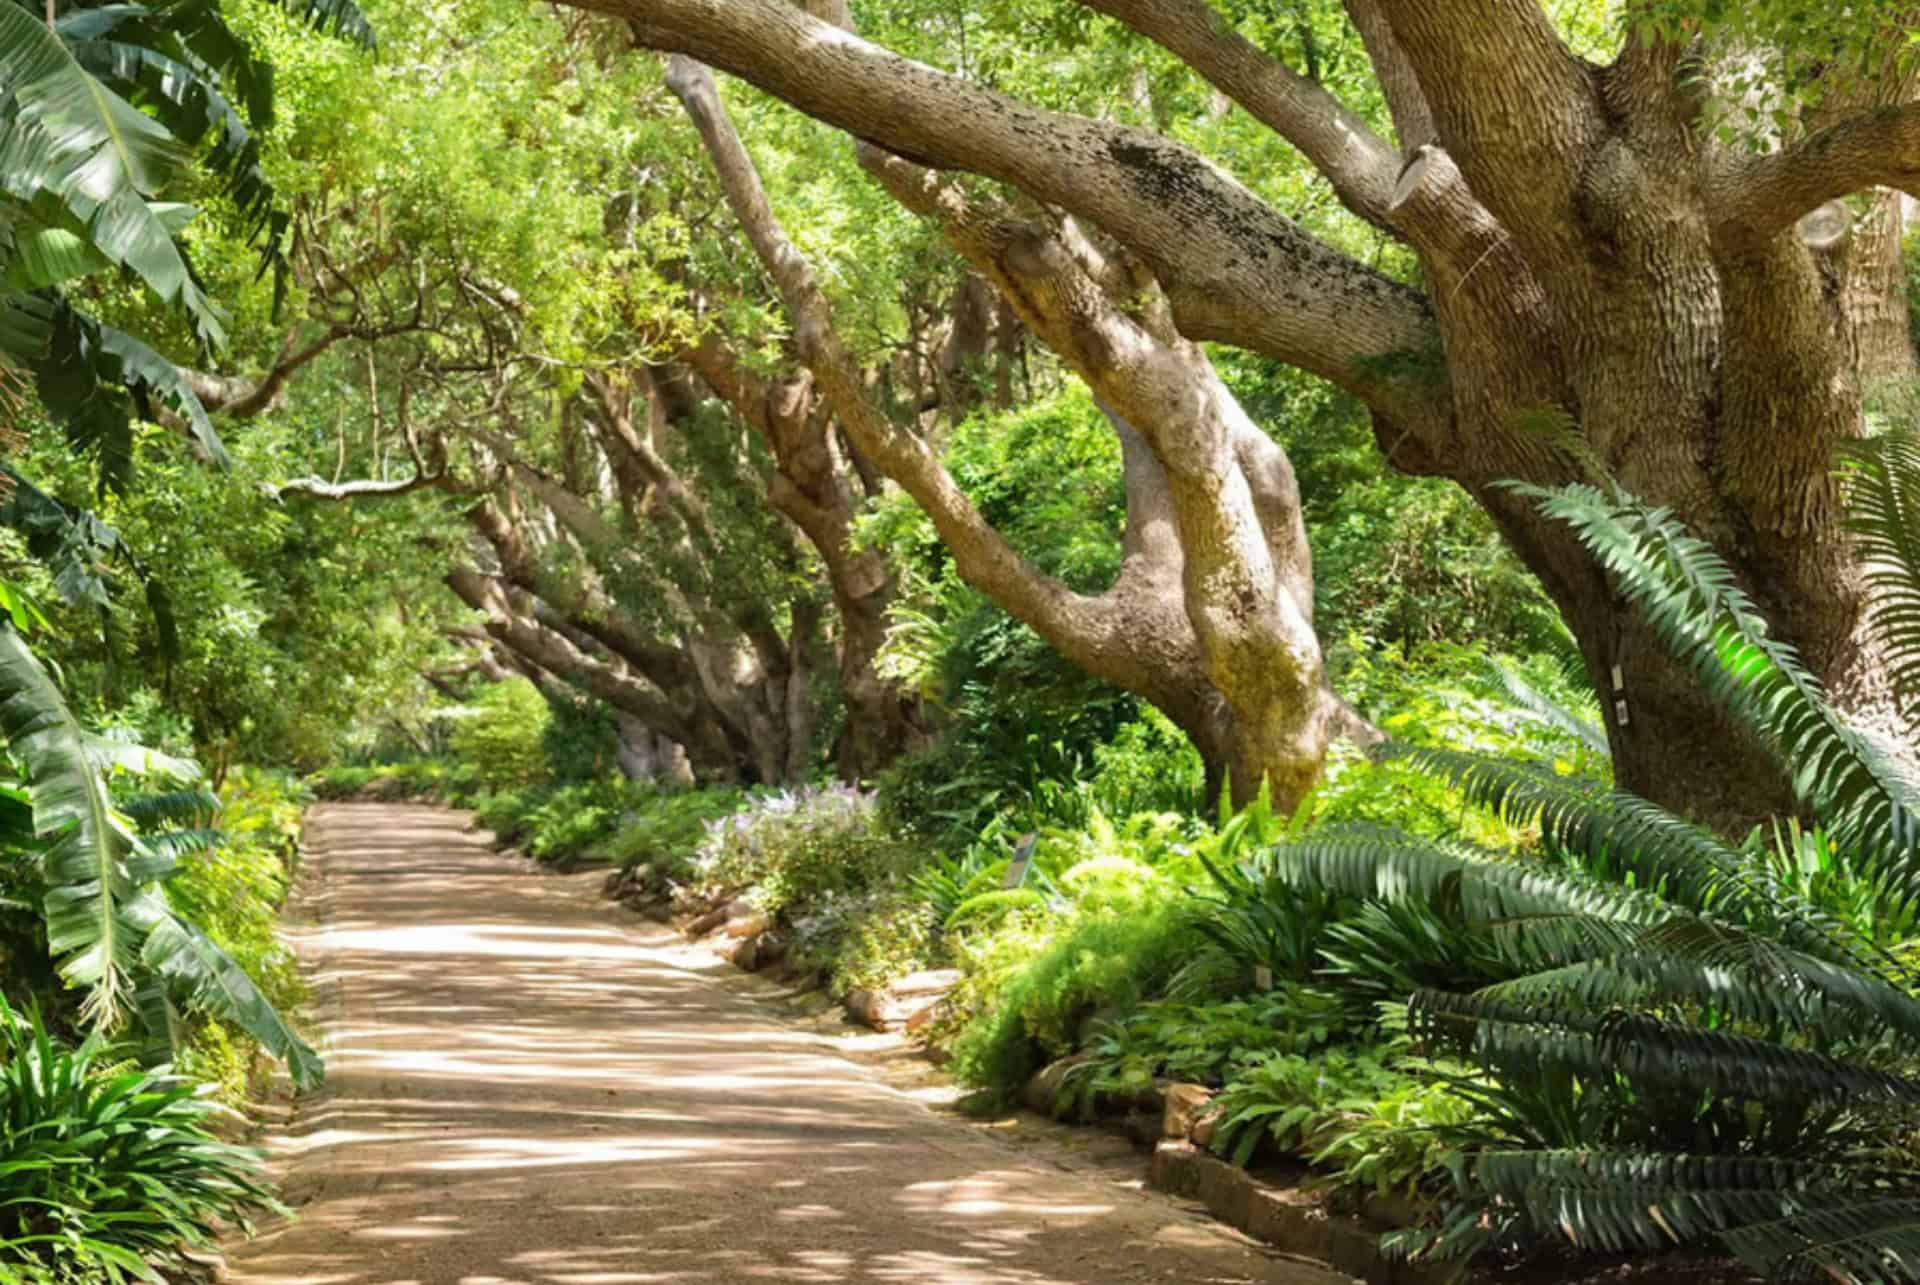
point(527, 1085)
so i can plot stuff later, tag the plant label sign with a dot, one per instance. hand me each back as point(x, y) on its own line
point(1262, 977)
point(1022, 858)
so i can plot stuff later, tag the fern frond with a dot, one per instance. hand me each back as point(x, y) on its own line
point(1615, 1201)
point(1883, 500)
point(1689, 596)
point(1577, 724)
point(1518, 1038)
point(1864, 1240)
point(196, 807)
point(1383, 865)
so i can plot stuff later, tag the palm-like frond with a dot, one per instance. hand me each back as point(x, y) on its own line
point(1689, 596)
point(1883, 501)
point(1383, 865)
point(64, 133)
point(1621, 837)
point(84, 864)
point(211, 981)
point(1578, 724)
point(342, 18)
point(1672, 1055)
point(1870, 1238)
point(1616, 1201)
point(187, 807)
point(106, 925)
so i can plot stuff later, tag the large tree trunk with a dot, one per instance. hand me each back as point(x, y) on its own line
point(1595, 256)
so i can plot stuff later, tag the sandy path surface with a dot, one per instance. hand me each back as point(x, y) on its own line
point(526, 1085)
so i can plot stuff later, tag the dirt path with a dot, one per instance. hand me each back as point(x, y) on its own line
point(527, 1086)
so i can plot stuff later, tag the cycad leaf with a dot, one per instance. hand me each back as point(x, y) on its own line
point(1615, 1200)
point(342, 18)
point(1883, 495)
point(1518, 1039)
point(1689, 596)
point(1576, 723)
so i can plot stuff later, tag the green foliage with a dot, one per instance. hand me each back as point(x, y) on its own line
point(109, 927)
point(502, 736)
point(1638, 992)
point(1197, 1043)
point(106, 1171)
point(1016, 715)
point(866, 940)
point(668, 827)
point(233, 890)
point(1033, 986)
point(1367, 1117)
point(1883, 499)
point(797, 848)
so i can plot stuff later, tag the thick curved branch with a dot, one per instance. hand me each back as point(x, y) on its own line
point(1233, 268)
point(1767, 194)
point(558, 655)
point(1406, 103)
point(1069, 621)
point(1358, 162)
point(246, 398)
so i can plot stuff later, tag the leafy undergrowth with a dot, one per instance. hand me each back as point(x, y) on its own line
point(107, 1171)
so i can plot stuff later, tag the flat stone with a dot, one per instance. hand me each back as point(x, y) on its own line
point(1226, 1190)
point(711, 920)
point(751, 924)
point(932, 981)
point(1042, 1088)
point(1291, 1220)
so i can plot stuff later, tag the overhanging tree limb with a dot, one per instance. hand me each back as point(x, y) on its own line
point(1358, 162)
point(1232, 267)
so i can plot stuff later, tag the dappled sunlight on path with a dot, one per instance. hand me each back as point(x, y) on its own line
point(526, 1087)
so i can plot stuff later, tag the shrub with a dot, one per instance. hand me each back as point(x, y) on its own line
point(866, 940)
point(1679, 1044)
point(109, 1172)
point(1198, 1043)
point(1033, 985)
point(1360, 1114)
point(503, 735)
point(797, 847)
point(667, 828)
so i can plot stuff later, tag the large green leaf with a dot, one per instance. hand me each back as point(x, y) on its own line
point(1690, 597)
point(107, 925)
point(84, 864)
point(64, 132)
point(211, 981)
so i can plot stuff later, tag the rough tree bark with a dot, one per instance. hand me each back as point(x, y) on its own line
point(1594, 255)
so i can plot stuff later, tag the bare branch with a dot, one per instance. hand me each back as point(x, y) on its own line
point(318, 488)
point(1412, 118)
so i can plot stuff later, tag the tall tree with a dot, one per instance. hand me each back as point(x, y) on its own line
point(1601, 251)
